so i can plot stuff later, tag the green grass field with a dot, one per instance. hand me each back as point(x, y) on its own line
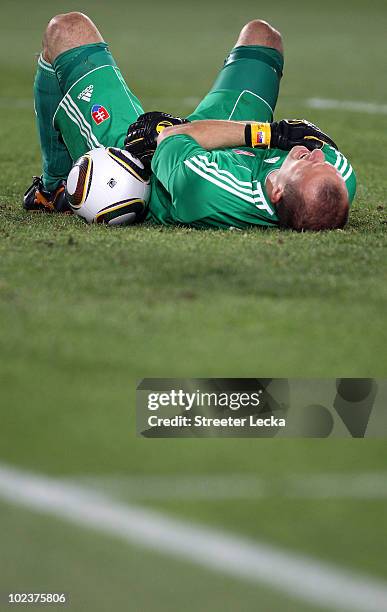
point(87, 311)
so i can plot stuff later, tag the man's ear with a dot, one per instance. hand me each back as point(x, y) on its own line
point(276, 193)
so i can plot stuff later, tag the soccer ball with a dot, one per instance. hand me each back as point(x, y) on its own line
point(108, 186)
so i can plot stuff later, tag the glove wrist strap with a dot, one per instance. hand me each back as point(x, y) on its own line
point(257, 135)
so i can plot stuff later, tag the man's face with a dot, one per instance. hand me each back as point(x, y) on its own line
point(308, 169)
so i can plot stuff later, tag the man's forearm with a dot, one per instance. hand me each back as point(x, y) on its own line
point(285, 134)
point(210, 134)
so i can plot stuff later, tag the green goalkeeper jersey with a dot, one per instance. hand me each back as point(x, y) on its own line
point(222, 188)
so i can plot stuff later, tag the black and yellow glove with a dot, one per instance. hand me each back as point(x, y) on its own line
point(141, 138)
point(286, 134)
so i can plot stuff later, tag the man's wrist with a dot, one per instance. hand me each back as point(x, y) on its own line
point(257, 135)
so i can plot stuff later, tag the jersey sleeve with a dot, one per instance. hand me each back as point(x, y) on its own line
point(343, 166)
point(170, 156)
point(350, 182)
point(170, 168)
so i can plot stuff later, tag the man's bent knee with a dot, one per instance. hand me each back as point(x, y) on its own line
point(258, 32)
point(67, 31)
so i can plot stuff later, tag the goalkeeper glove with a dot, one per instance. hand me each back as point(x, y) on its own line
point(286, 134)
point(141, 138)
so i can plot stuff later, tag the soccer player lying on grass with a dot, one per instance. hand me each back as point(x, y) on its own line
point(229, 166)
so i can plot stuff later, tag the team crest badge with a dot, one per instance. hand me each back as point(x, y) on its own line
point(99, 113)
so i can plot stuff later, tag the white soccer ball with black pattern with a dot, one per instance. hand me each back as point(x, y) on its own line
point(108, 186)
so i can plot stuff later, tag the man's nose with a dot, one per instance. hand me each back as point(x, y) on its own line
point(317, 155)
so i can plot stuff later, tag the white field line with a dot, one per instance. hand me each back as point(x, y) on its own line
point(241, 486)
point(370, 108)
point(301, 577)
